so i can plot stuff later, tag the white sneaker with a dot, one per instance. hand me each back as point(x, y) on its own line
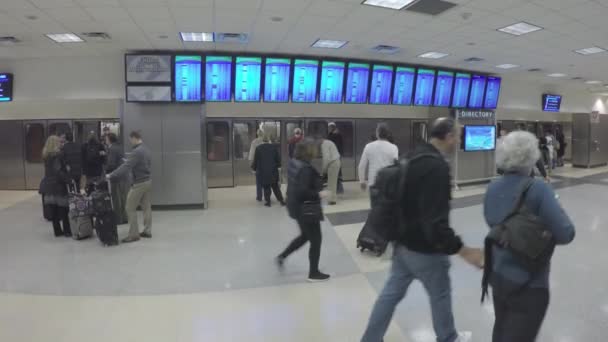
point(465, 336)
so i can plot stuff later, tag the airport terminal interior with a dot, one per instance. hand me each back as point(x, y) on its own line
point(198, 79)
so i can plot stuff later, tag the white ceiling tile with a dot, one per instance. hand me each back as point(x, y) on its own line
point(329, 8)
point(497, 5)
point(147, 14)
point(99, 3)
point(109, 15)
point(143, 3)
point(313, 27)
point(537, 15)
point(233, 22)
point(588, 10)
point(295, 6)
point(48, 4)
point(189, 3)
point(198, 19)
point(560, 4)
point(69, 15)
point(239, 5)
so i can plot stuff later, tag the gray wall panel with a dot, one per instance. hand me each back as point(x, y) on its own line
point(12, 172)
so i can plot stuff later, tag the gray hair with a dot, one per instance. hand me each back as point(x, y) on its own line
point(517, 152)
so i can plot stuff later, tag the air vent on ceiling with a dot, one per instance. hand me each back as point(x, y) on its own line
point(431, 7)
point(473, 59)
point(224, 37)
point(386, 49)
point(96, 36)
point(9, 40)
point(576, 78)
point(534, 70)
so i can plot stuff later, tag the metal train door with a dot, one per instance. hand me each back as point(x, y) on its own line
point(11, 155)
point(288, 129)
point(34, 134)
point(243, 134)
point(419, 133)
point(220, 172)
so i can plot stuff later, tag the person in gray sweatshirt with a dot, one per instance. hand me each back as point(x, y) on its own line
point(139, 163)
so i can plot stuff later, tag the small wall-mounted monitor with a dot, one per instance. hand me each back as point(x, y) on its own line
point(276, 81)
point(404, 86)
point(247, 79)
point(357, 82)
point(425, 80)
point(218, 78)
point(137, 93)
point(332, 82)
point(443, 88)
point(188, 78)
point(382, 79)
point(305, 75)
point(479, 138)
point(551, 103)
point(148, 68)
point(6, 87)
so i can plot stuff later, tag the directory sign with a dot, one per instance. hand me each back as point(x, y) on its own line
point(461, 90)
point(247, 79)
point(443, 88)
point(404, 86)
point(6, 87)
point(332, 82)
point(305, 73)
point(218, 73)
point(492, 92)
point(479, 138)
point(136, 93)
point(380, 90)
point(276, 82)
point(148, 68)
point(551, 103)
point(478, 86)
point(424, 87)
point(357, 83)
point(188, 78)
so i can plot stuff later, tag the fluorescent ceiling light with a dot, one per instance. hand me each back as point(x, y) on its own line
point(433, 55)
point(197, 36)
point(593, 82)
point(65, 38)
point(507, 66)
point(392, 4)
point(557, 74)
point(520, 29)
point(329, 44)
point(590, 51)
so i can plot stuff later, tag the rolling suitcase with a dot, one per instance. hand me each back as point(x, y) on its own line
point(47, 211)
point(105, 220)
point(370, 240)
point(80, 211)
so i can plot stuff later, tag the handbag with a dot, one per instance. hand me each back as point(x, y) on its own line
point(311, 211)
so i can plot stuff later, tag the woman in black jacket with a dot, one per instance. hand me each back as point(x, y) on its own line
point(54, 185)
point(304, 186)
point(266, 164)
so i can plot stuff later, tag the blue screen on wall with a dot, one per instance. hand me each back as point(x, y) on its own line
point(357, 82)
point(380, 89)
point(404, 86)
point(461, 90)
point(479, 138)
point(305, 73)
point(218, 74)
point(478, 86)
point(276, 82)
point(492, 93)
point(188, 78)
point(247, 79)
point(332, 82)
point(6, 87)
point(443, 88)
point(424, 87)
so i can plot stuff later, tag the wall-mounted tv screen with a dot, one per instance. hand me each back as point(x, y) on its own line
point(276, 81)
point(479, 138)
point(218, 74)
point(247, 79)
point(404, 86)
point(305, 74)
point(188, 75)
point(6, 87)
point(443, 88)
point(478, 86)
point(332, 82)
point(492, 93)
point(380, 89)
point(357, 82)
point(551, 103)
point(148, 68)
point(136, 93)
point(424, 87)
point(461, 90)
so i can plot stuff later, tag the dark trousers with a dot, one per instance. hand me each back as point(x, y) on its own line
point(60, 214)
point(519, 312)
point(309, 232)
point(258, 187)
point(276, 188)
point(76, 181)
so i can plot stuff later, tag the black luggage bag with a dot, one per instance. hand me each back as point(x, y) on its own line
point(370, 240)
point(47, 211)
point(105, 219)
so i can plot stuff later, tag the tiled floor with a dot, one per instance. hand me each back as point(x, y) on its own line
point(209, 276)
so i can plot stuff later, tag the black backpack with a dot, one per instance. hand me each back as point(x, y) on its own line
point(92, 153)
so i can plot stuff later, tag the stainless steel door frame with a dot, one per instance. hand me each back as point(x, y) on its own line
point(220, 168)
point(34, 138)
point(241, 158)
point(12, 171)
point(287, 128)
point(420, 133)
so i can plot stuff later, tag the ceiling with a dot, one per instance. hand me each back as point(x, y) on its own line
point(140, 24)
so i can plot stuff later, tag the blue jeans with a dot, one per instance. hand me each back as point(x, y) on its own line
point(430, 269)
point(258, 187)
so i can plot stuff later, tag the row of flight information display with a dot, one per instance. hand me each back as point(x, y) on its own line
point(309, 80)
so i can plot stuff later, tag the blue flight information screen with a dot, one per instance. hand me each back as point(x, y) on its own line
point(443, 88)
point(305, 73)
point(6, 87)
point(492, 92)
point(218, 72)
point(382, 79)
point(404, 86)
point(247, 79)
point(188, 83)
point(332, 82)
point(461, 90)
point(357, 82)
point(276, 82)
point(424, 87)
point(478, 86)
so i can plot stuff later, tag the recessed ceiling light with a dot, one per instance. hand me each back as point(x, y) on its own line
point(590, 51)
point(593, 82)
point(329, 44)
point(520, 29)
point(557, 74)
point(65, 38)
point(392, 4)
point(197, 36)
point(433, 55)
point(507, 66)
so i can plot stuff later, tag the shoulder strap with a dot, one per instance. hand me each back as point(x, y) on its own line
point(523, 187)
point(403, 168)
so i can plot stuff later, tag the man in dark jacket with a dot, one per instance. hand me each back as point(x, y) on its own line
point(425, 243)
point(266, 163)
point(72, 152)
point(93, 158)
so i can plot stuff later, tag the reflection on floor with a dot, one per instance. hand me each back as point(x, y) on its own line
point(209, 276)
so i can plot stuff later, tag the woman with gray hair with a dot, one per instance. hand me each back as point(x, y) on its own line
point(520, 297)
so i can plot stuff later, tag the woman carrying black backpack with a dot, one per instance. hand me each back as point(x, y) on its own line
point(54, 186)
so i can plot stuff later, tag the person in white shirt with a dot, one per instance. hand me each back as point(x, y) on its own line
point(254, 145)
point(376, 155)
point(331, 166)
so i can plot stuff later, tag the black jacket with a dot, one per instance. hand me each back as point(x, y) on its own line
point(426, 205)
point(114, 158)
point(56, 177)
point(266, 163)
point(92, 165)
point(336, 138)
point(303, 184)
point(73, 157)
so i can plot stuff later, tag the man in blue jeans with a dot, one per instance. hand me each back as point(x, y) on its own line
point(426, 240)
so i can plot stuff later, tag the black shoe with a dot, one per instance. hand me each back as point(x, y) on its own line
point(318, 277)
point(67, 234)
point(267, 204)
point(146, 235)
point(280, 261)
point(258, 199)
point(283, 203)
point(130, 239)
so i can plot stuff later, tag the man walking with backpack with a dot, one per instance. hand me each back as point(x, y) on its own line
point(425, 240)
